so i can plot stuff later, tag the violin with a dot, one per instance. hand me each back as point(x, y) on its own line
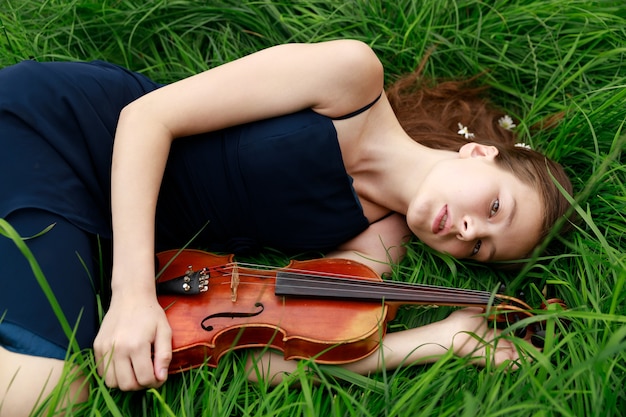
point(331, 310)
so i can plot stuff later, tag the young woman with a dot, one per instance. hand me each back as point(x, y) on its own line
point(294, 147)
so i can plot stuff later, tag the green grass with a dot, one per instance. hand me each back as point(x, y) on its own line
point(540, 57)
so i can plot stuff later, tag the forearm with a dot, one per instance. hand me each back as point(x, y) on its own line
point(424, 344)
point(139, 158)
point(135, 353)
point(465, 333)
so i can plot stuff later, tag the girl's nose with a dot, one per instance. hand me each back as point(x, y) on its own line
point(470, 229)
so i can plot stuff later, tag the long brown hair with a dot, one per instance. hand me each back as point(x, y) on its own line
point(430, 112)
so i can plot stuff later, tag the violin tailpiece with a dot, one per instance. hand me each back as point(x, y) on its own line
point(192, 283)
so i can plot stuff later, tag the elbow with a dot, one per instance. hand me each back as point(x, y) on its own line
point(142, 118)
point(132, 111)
point(128, 115)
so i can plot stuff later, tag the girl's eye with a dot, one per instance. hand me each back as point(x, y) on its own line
point(495, 206)
point(476, 247)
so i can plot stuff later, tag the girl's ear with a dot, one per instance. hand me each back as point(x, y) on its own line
point(477, 150)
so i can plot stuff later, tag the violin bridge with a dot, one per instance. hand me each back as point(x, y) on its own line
point(234, 283)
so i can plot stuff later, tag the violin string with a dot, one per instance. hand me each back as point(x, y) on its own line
point(428, 298)
point(363, 286)
point(414, 293)
point(295, 270)
point(349, 278)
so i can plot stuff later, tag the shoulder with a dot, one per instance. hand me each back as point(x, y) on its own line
point(336, 77)
point(355, 57)
point(348, 56)
point(357, 76)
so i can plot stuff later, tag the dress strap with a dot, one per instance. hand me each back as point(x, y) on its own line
point(359, 111)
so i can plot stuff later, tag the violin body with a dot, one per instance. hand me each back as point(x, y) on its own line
point(208, 325)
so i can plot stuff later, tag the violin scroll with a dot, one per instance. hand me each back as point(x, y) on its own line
point(514, 310)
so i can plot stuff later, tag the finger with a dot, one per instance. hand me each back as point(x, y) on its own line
point(505, 354)
point(162, 352)
point(99, 358)
point(105, 366)
point(142, 371)
point(124, 375)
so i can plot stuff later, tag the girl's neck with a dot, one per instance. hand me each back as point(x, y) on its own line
point(391, 170)
point(387, 165)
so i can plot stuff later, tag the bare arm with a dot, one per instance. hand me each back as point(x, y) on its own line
point(465, 332)
point(333, 78)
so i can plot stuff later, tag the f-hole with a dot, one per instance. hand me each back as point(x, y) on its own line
point(231, 315)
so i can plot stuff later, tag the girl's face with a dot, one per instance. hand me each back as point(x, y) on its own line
point(471, 208)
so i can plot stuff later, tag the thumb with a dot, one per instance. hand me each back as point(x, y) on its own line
point(162, 352)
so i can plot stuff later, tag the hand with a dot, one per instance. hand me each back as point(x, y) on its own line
point(134, 327)
point(475, 338)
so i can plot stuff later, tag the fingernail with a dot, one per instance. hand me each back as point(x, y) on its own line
point(163, 373)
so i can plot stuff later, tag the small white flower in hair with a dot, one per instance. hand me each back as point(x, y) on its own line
point(506, 122)
point(464, 131)
point(523, 145)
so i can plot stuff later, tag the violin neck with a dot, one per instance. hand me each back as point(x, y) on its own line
point(290, 283)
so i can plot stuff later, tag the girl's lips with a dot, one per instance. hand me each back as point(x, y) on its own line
point(441, 221)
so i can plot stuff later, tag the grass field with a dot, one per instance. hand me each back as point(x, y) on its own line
point(541, 58)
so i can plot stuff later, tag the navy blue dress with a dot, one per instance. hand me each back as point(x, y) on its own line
point(277, 183)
